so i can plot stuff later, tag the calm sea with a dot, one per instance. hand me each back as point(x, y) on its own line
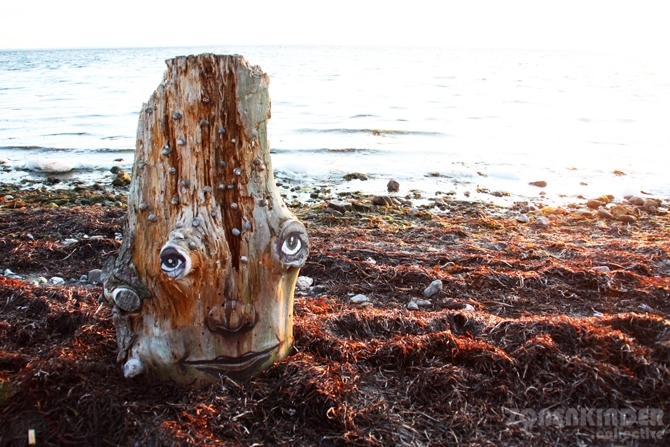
point(488, 119)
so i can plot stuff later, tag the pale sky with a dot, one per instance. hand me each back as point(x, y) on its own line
point(590, 25)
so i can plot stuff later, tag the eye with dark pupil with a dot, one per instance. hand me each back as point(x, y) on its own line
point(172, 262)
point(291, 245)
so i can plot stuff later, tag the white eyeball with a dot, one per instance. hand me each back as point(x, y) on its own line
point(293, 244)
point(175, 262)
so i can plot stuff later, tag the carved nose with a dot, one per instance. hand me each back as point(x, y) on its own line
point(232, 316)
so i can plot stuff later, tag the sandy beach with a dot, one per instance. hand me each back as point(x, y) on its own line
point(549, 329)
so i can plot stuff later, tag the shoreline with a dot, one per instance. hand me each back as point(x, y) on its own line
point(432, 186)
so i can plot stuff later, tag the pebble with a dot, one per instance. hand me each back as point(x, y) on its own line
point(304, 283)
point(362, 207)
point(627, 218)
point(433, 289)
point(393, 186)
point(522, 218)
point(423, 303)
point(542, 221)
point(539, 184)
point(122, 179)
point(595, 204)
point(412, 305)
point(67, 242)
point(57, 281)
point(385, 201)
point(9, 197)
point(359, 299)
point(340, 206)
point(604, 214)
point(94, 276)
point(333, 212)
point(601, 268)
point(355, 176)
point(639, 201)
point(469, 307)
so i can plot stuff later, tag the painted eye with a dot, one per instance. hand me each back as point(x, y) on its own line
point(293, 244)
point(174, 262)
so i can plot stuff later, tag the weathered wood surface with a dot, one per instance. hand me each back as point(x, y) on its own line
point(203, 284)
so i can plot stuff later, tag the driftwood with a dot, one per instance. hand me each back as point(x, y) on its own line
point(203, 284)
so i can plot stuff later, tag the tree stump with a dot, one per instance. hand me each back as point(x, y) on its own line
point(203, 283)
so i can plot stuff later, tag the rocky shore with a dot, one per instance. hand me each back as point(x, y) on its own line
point(418, 321)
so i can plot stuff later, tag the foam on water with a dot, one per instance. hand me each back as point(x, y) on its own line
point(49, 166)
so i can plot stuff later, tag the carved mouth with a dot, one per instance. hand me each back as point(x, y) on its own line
point(233, 367)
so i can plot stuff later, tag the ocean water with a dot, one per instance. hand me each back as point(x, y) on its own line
point(435, 119)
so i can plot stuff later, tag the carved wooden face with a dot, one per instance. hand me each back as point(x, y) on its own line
point(204, 282)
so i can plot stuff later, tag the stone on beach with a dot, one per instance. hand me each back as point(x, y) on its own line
point(304, 283)
point(604, 214)
point(585, 213)
point(393, 186)
point(355, 176)
point(539, 183)
point(595, 204)
point(626, 218)
point(385, 201)
point(57, 281)
point(340, 206)
point(635, 200)
point(542, 221)
point(359, 299)
point(423, 303)
point(94, 276)
point(433, 289)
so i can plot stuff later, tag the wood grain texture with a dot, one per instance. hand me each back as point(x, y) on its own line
point(209, 248)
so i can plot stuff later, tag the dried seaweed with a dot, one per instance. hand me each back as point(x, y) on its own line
point(548, 331)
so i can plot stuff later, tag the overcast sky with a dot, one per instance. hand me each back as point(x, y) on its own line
point(592, 25)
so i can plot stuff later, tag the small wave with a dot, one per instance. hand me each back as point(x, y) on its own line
point(21, 148)
point(60, 149)
point(67, 133)
point(348, 150)
point(52, 166)
point(364, 115)
point(107, 150)
point(375, 132)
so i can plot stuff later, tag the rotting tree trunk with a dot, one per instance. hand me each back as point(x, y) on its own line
point(203, 284)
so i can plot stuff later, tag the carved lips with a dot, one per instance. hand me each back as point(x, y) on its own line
point(233, 367)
